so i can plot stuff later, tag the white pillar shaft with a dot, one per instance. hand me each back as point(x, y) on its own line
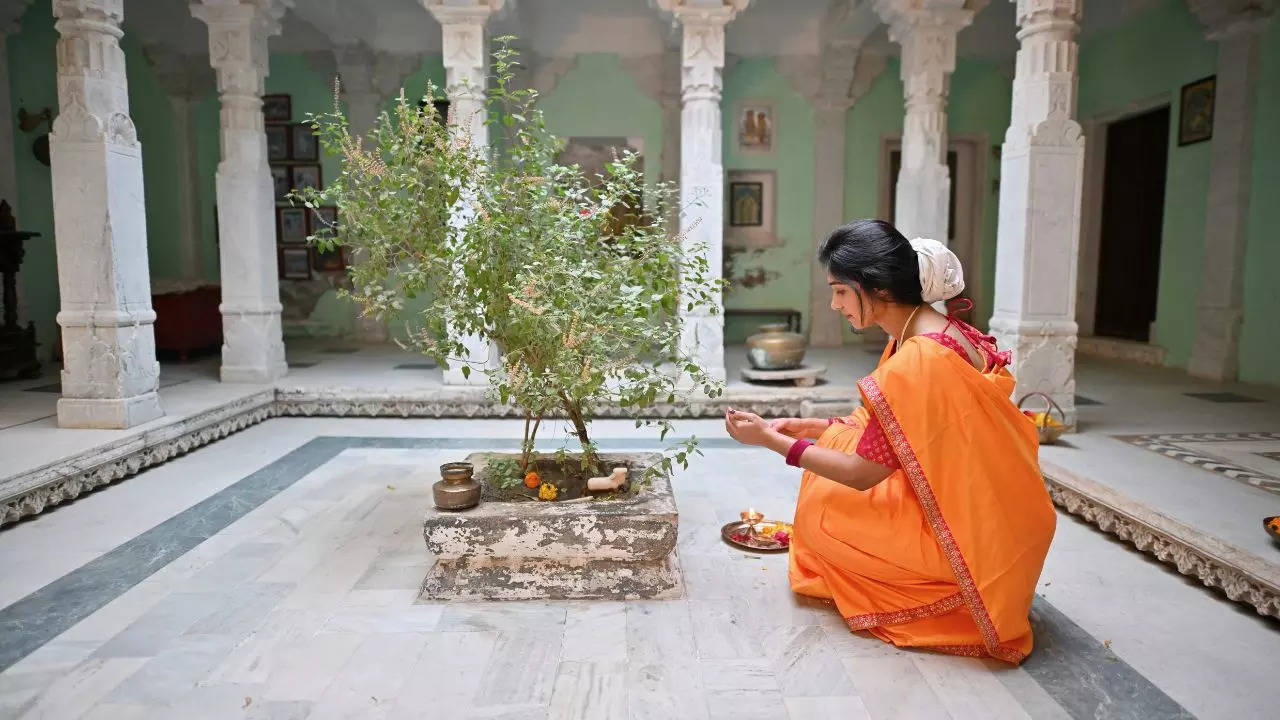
point(252, 342)
point(826, 327)
point(702, 175)
point(1042, 169)
point(1221, 306)
point(924, 182)
point(364, 103)
point(465, 53)
point(191, 244)
point(110, 373)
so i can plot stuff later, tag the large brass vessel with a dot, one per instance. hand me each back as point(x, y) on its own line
point(774, 348)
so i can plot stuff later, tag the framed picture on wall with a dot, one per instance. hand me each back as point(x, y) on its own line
point(277, 108)
point(304, 176)
point(291, 224)
point(1195, 111)
point(280, 181)
point(750, 200)
point(295, 263)
point(303, 143)
point(755, 127)
point(326, 262)
point(322, 218)
point(277, 142)
point(746, 204)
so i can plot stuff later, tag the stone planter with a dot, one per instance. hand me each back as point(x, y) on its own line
point(613, 549)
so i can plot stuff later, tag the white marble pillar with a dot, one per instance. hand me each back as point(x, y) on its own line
point(252, 339)
point(701, 168)
point(109, 372)
point(1041, 172)
point(466, 67)
point(1237, 28)
point(367, 79)
point(926, 32)
point(186, 80)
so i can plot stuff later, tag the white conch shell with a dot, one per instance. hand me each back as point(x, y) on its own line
point(611, 482)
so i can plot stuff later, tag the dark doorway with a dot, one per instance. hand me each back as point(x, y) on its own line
point(1132, 225)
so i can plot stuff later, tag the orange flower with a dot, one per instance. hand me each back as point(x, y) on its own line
point(532, 479)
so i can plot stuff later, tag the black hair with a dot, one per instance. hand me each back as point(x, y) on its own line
point(871, 255)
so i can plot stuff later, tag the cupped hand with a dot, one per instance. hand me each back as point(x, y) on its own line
point(747, 428)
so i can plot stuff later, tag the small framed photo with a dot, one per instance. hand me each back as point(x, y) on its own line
point(295, 263)
point(746, 204)
point(277, 108)
point(302, 177)
point(755, 127)
point(327, 262)
point(280, 181)
point(324, 217)
point(277, 142)
point(750, 201)
point(303, 143)
point(1195, 114)
point(291, 224)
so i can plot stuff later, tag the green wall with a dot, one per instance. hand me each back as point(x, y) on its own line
point(1154, 55)
point(785, 268)
point(35, 88)
point(599, 98)
point(1260, 336)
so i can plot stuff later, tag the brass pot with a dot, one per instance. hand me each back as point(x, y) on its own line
point(773, 348)
point(456, 489)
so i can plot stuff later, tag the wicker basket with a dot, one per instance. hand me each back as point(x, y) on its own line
point(1049, 432)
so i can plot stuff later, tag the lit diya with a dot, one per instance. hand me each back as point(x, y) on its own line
point(754, 532)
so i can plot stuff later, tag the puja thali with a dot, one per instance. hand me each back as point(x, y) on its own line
point(761, 536)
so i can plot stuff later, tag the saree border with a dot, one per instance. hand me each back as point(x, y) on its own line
point(898, 617)
point(941, 530)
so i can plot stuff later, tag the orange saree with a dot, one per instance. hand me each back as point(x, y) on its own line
point(945, 553)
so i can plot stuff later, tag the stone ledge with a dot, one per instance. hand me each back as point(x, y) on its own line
point(29, 493)
point(1239, 574)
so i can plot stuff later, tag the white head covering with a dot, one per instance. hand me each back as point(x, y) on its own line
point(941, 277)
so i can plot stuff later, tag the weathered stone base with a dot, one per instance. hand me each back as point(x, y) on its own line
point(612, 549)
point(485, 578)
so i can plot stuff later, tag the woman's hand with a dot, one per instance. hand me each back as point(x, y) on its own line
point(747, 428)
point(810, 428)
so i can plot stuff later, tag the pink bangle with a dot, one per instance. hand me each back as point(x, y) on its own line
point(797, 449)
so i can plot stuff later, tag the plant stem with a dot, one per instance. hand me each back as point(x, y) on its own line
point(580, 428)
point(524, 446)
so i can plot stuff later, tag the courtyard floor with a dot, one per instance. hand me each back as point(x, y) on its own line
point(303, 602)
point(275, 574)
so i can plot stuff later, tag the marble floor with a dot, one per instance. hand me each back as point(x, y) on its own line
point(275, 574)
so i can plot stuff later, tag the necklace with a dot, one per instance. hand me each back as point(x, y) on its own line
point(907, 324)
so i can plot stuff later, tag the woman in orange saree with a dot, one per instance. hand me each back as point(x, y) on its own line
point(923, 515)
